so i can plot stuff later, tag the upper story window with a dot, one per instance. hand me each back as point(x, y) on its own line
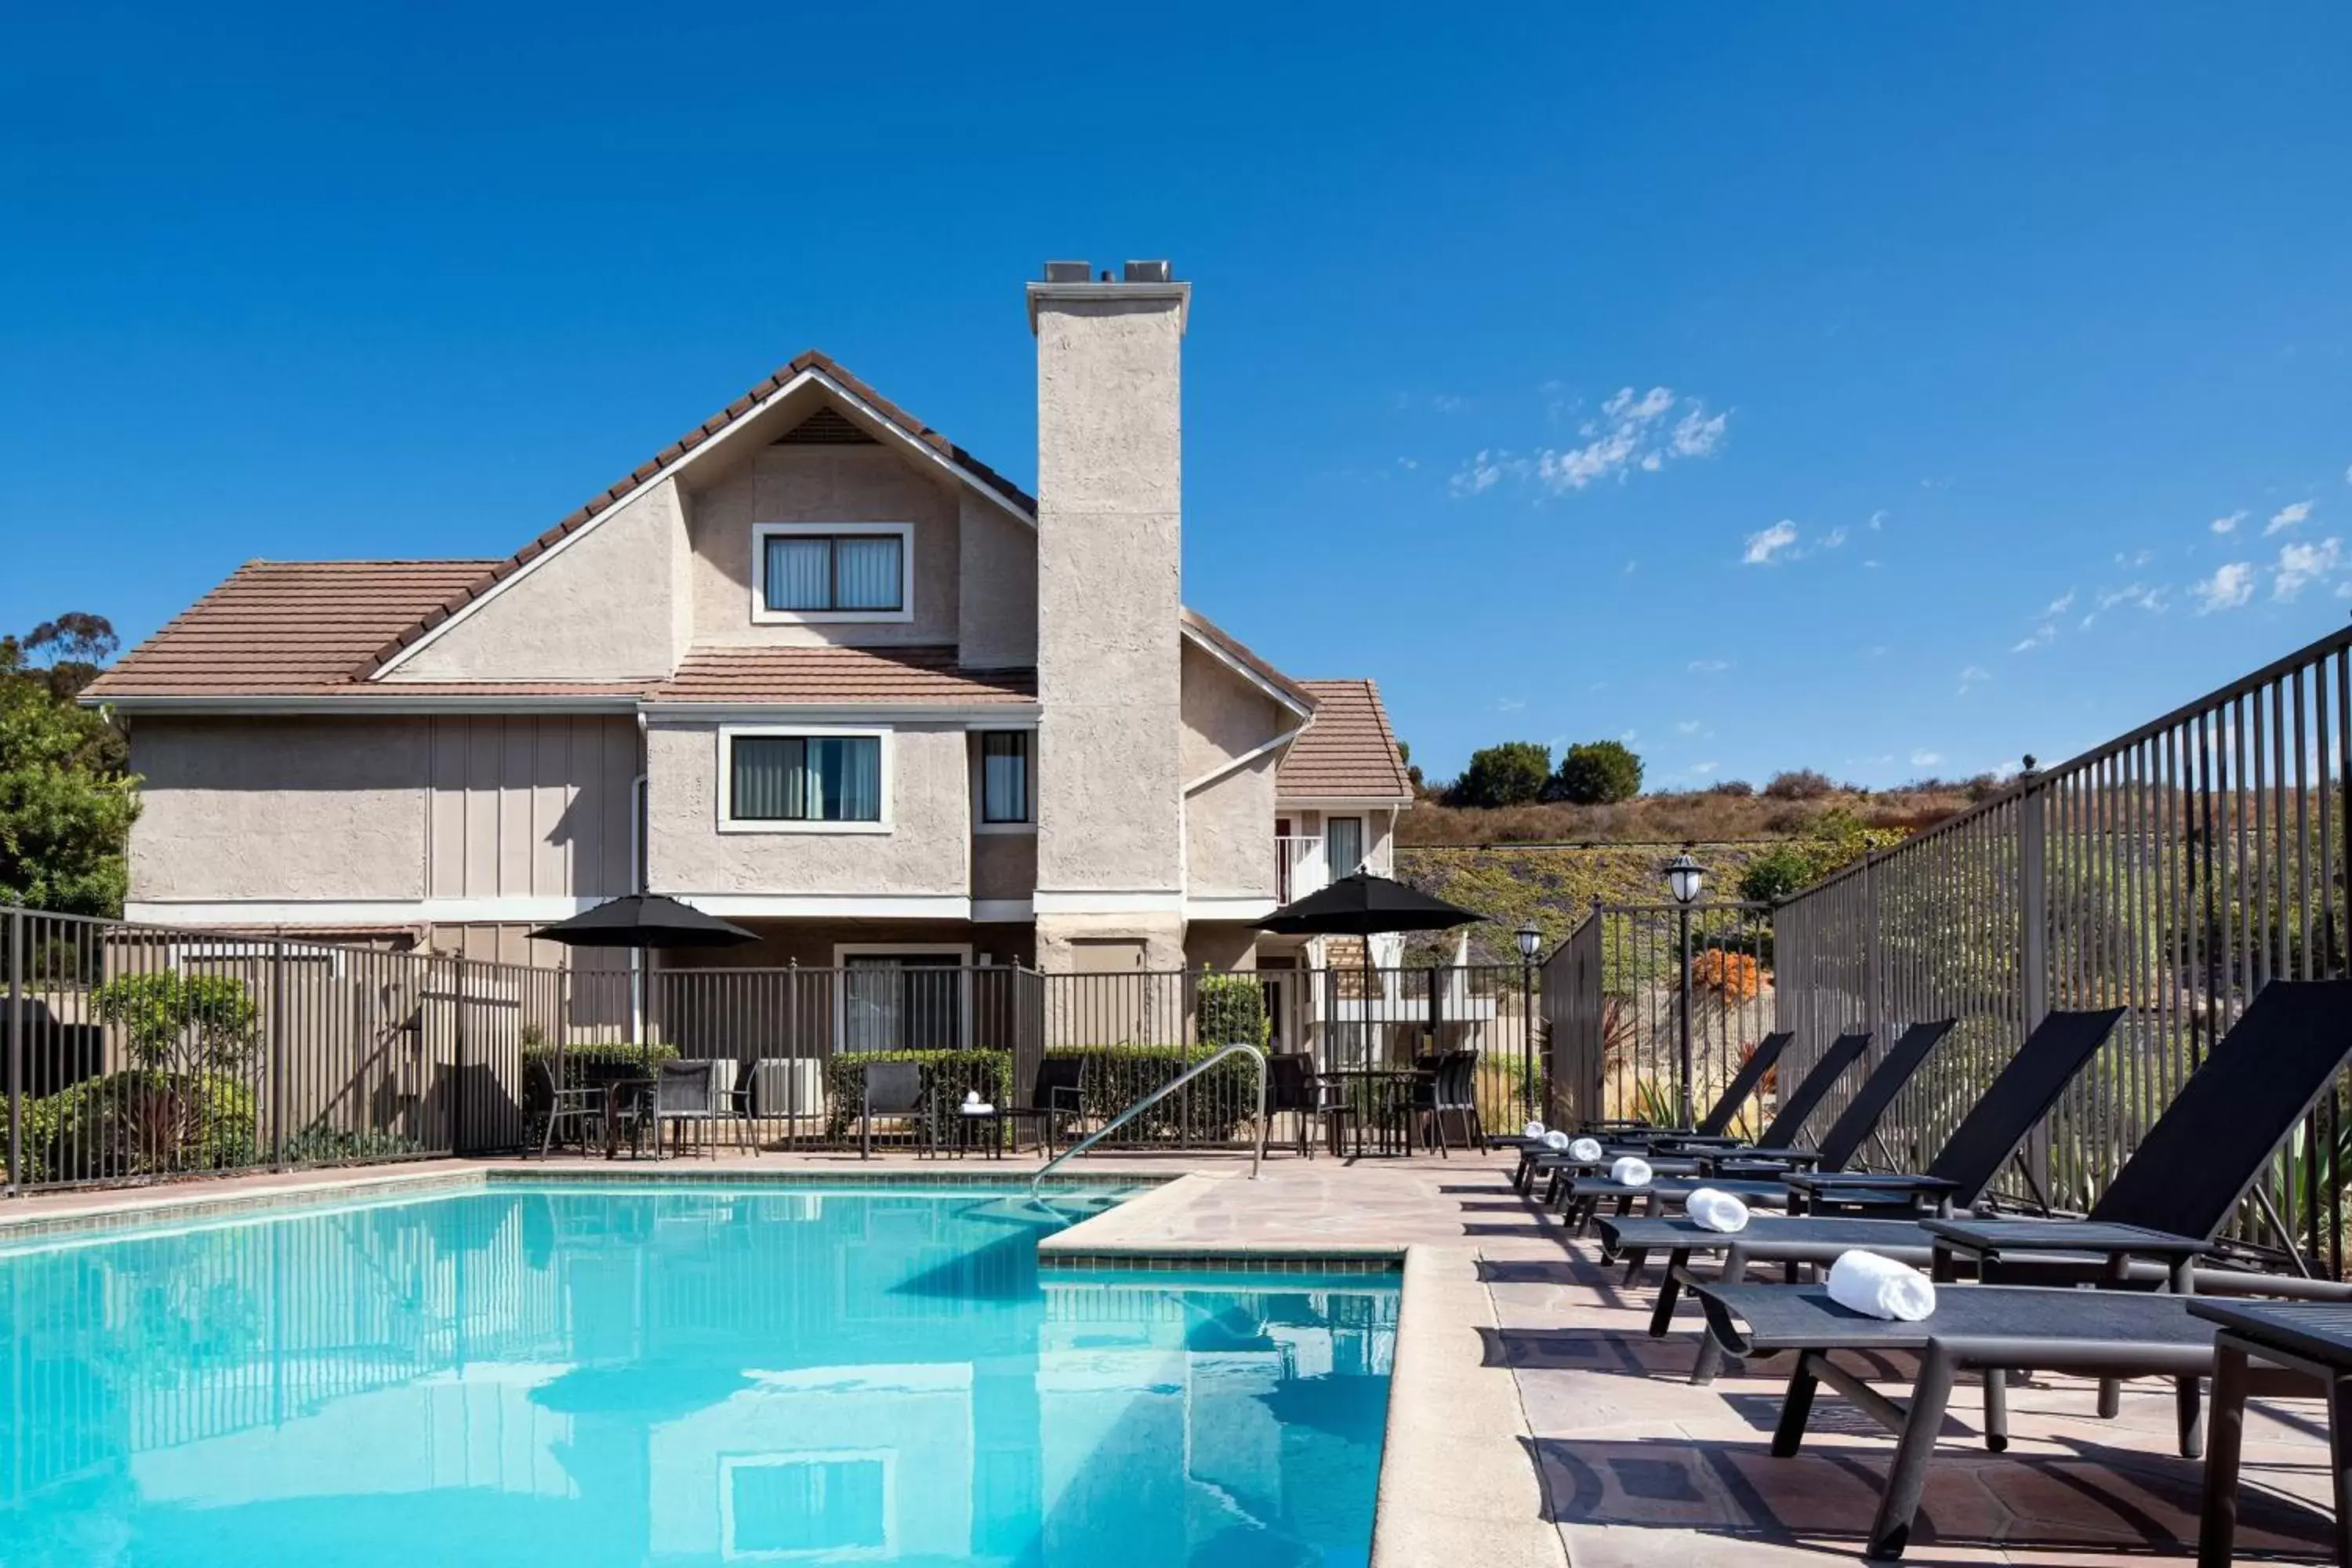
point(833, 571)
point(785, 780)
point(1343, 844)
point(1006, 794)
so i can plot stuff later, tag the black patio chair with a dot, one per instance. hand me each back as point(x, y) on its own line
point(1293, 1089)
point(895, 1088)
point(1637, 1137)
point(1054, 1098)
point(546, 1106)
point(2183, 1181)
point(1451, 1087)
point(1756, 1173)
point(698, 1095)
point(1853, 1208)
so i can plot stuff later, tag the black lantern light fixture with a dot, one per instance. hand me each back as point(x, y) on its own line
point(1530, 940)
point(1685, 879)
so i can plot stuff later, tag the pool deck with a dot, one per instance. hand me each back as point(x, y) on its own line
point(1533, 1421)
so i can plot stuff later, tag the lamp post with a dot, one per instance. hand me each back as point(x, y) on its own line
point(1686, 881)
point(1530, 941)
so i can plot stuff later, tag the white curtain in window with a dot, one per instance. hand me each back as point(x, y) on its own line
point(1004, 776)
point(818, 778)
point(846, 778)
point(867, 572)
point(1343, 842)
point(765, 770)
point(800, 573)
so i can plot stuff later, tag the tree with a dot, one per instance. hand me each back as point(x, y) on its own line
point(72, 648)
point(1798, 784)
point(66, 805)
point(1513, 773)
point(1838, 839)
point(1411, 773)
point(1598, 773)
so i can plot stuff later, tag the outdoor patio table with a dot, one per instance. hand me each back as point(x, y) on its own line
point(1388, 1092)
point(2313, 1337)
point(633, 1100)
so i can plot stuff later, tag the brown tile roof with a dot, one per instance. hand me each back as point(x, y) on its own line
point(840, 678)
point(283, 627)
point(824, 364)
point(1347, 750)
point(1233, 648)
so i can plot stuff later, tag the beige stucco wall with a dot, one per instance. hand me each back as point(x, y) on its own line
point(563, 620)
point(820, 484)
point(998, 605)
point(1108, 436)
point(927, 849)
point(279, 809)
point(1228, 822)
point(369, 809)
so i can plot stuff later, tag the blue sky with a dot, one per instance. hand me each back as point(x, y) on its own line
point(1516, 344)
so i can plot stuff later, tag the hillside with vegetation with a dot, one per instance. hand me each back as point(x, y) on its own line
point(1519, 839)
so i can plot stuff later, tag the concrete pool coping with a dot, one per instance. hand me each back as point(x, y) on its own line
point(1456, 1478)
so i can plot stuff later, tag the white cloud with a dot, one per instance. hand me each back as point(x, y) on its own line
point(2292, 515)
point(1878, 651)
point(1709, 665)
point(2228, 524)
point(1630, 566)
point(2137, 595)
point(1834, 538)
point(2039, 636)
point(1633, 432)
point(1702, 769)
point(2229, 587)
point(2135, 558)
point(1687, 727)
point(2062, 604)
point(2348, 476)
point(1878, 519)
point(1926, 759)
point(1971, 676)
point(1509, 704)
point(1763, 545)
point(2299, 565)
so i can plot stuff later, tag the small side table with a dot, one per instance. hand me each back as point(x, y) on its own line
point(2313, 1338)
point(970, 1121)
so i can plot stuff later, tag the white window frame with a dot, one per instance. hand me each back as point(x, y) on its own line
point(725, 761)
point(762, 532)
point(845, 951)
point(980, 823)
point(1331, 871)
point(729, 1464)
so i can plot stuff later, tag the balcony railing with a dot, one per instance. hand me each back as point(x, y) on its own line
point(1299, 867)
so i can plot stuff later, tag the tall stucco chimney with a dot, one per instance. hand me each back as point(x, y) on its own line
point(1111, 805)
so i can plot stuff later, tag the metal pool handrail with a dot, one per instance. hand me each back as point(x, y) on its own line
point(1258, 1152)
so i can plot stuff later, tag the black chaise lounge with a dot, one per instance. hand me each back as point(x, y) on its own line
point(1853, 1208)
point(2182, 1182)
point(1635, 1137)
point(1787, 1125)
point(1760, 1174)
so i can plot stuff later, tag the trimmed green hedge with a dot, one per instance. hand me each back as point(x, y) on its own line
point(1212, 1109)
point(946, 1076)
point(140, 1122)
point(595, 1062)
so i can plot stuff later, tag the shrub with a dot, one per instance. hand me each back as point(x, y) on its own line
point(946, 1076)
point(597, 1061)
point(321, 1146)
point(1210, 1110)
point(1598, 773)
point(140, 1122)
point(1733, 977)
point(171, 1019)
point(1798, 784)
point(1231, 1007)
point(1513, 773)
point(1735, 789)
point(1775, 873)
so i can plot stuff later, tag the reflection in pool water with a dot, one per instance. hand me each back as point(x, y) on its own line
point(602, 1374)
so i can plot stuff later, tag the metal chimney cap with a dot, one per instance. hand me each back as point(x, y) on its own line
point(1147, 272)
point(1067, 271)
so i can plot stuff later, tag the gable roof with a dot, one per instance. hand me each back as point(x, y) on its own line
point(813, 363)
point(1230, 649)
point(836, 676)
point(1347, 752)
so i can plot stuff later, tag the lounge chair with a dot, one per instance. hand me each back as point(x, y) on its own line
point(1757, 1174)
point(1787, 1125)
point(1054, 1098)
point(894, 1088)
point(1450, 1089)
point(2021, 1094)
point(546, 1107)
point(2192, 1170)
point(1635, 1137)
point(700, 1095)
point(1294, 1089)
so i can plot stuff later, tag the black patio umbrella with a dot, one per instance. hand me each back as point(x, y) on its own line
point(1362, 904)
point(645, 919)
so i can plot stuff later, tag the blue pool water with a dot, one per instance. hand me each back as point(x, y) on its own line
point(598, 1374)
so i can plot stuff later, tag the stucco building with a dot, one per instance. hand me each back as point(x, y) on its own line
point(813, 667)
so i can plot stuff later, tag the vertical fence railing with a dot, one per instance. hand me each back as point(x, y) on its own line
point(2173, 872)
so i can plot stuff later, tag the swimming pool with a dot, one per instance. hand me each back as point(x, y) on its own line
point(676, 1374)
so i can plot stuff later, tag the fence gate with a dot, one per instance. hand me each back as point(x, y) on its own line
point(1653, 1006)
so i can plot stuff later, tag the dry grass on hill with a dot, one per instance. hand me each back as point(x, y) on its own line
point(1703, 817)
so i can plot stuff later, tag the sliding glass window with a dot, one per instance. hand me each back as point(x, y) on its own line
point(804, 778)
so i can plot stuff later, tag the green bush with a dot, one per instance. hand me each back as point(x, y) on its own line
point(1231, 1007)
point(321, 1145)
point(1513, 773)
point(1599, 773)
point(140, 1122)
point(172, 1019)
point(947, 1075)
point(1211, 1109)
point(598, 1061)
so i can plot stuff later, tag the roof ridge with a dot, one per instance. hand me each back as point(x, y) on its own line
point(808, 360)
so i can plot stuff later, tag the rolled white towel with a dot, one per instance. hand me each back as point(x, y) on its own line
point(1713, 1210)
point(1532, 1132)
point(1585, 1150)
point(1881, 1287)
point(978, 1108)
point(1629, 1171)
point(1555, 1140)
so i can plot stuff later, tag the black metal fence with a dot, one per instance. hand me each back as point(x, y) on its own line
point(139, 1053)
point(2172, 871)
